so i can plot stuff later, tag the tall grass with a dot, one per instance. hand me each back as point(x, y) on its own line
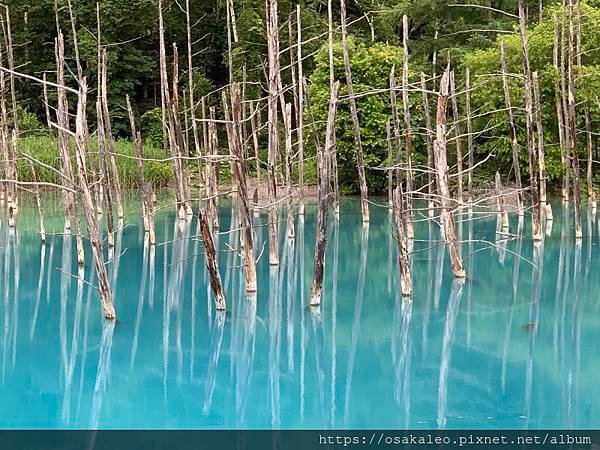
point(45, 149)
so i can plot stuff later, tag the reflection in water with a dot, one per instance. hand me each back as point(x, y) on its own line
point(526, 336)
point(447, 341)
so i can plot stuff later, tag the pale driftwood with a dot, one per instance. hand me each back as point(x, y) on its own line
point(323, 177)
point(441, 165)
point(235, 148)
point(512, 130)
point(106, 299)
point(360, 165)
point(145, 187)
point(401, 237)
point(428, 135)
point(273, 146)
point(536, 228)
point(211, 262)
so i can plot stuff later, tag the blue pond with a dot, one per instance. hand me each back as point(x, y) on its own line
point(513, 346)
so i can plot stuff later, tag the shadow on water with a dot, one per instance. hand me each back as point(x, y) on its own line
point(490, 352)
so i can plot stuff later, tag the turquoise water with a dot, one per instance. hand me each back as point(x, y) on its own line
point(514, 346)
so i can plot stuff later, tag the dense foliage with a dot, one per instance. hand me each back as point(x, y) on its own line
point(466, 35)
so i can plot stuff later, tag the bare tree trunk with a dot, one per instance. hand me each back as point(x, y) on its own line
point(254, 128)
point(395, 124)
point(408, 134)
point(288, 170)
point(235, 147)
point(428, 135)
point(212, 169)
point(501, 205)
point(116, 182)
point(441, 164)
point(564, 157)
point(362, 181)
point(300, 112)
point(403, 263)
point(197, 150)
point(38, 201)
point(106, 299)
point(145, 187)
point(470, 148)
point(63, 137)
point(565, 109)
point(105, 176)
point(540, 147)
point(457, 137)
point(533, 175)
point(513, 131)
point(323, 178)
point(390, 174)
point(273, 58)
point(573, 125)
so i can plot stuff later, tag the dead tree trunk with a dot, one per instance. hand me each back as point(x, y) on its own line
point(323, 177)
point(513, 131)
point(501, 205)
point(116, 182)
point(300, 112)
point(540, 145)
point(395, 124)
point(192, 104)
point(428, 135)
point(105, 176)
point(62, 113)
point(533, 175)
point(390, 173)
point(38, 201)
point(559, 112)
point(573, 124)
point(273, 60)
point(288, 170)
point(470, 149)
point(89, 210)
point(408, 133)
point(212, 190)
point(145, 187)
point(403, 263)
point(457, 138)
point(441, 164)
point(235, 148)
point(360, 165)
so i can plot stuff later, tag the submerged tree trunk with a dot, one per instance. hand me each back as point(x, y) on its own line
point(212, 262)
point(403, 262)
point(235, 147)
point(441, 164)
point(323, 177)
point(89, 210)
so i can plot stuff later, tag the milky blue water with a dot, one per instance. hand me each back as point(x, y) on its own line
point(513, 346)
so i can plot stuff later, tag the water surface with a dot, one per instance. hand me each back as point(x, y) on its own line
point(513, 346)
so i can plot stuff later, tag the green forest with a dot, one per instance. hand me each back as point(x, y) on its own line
point(233, 48)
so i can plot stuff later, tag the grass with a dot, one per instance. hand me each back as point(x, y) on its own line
point(45, 149)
